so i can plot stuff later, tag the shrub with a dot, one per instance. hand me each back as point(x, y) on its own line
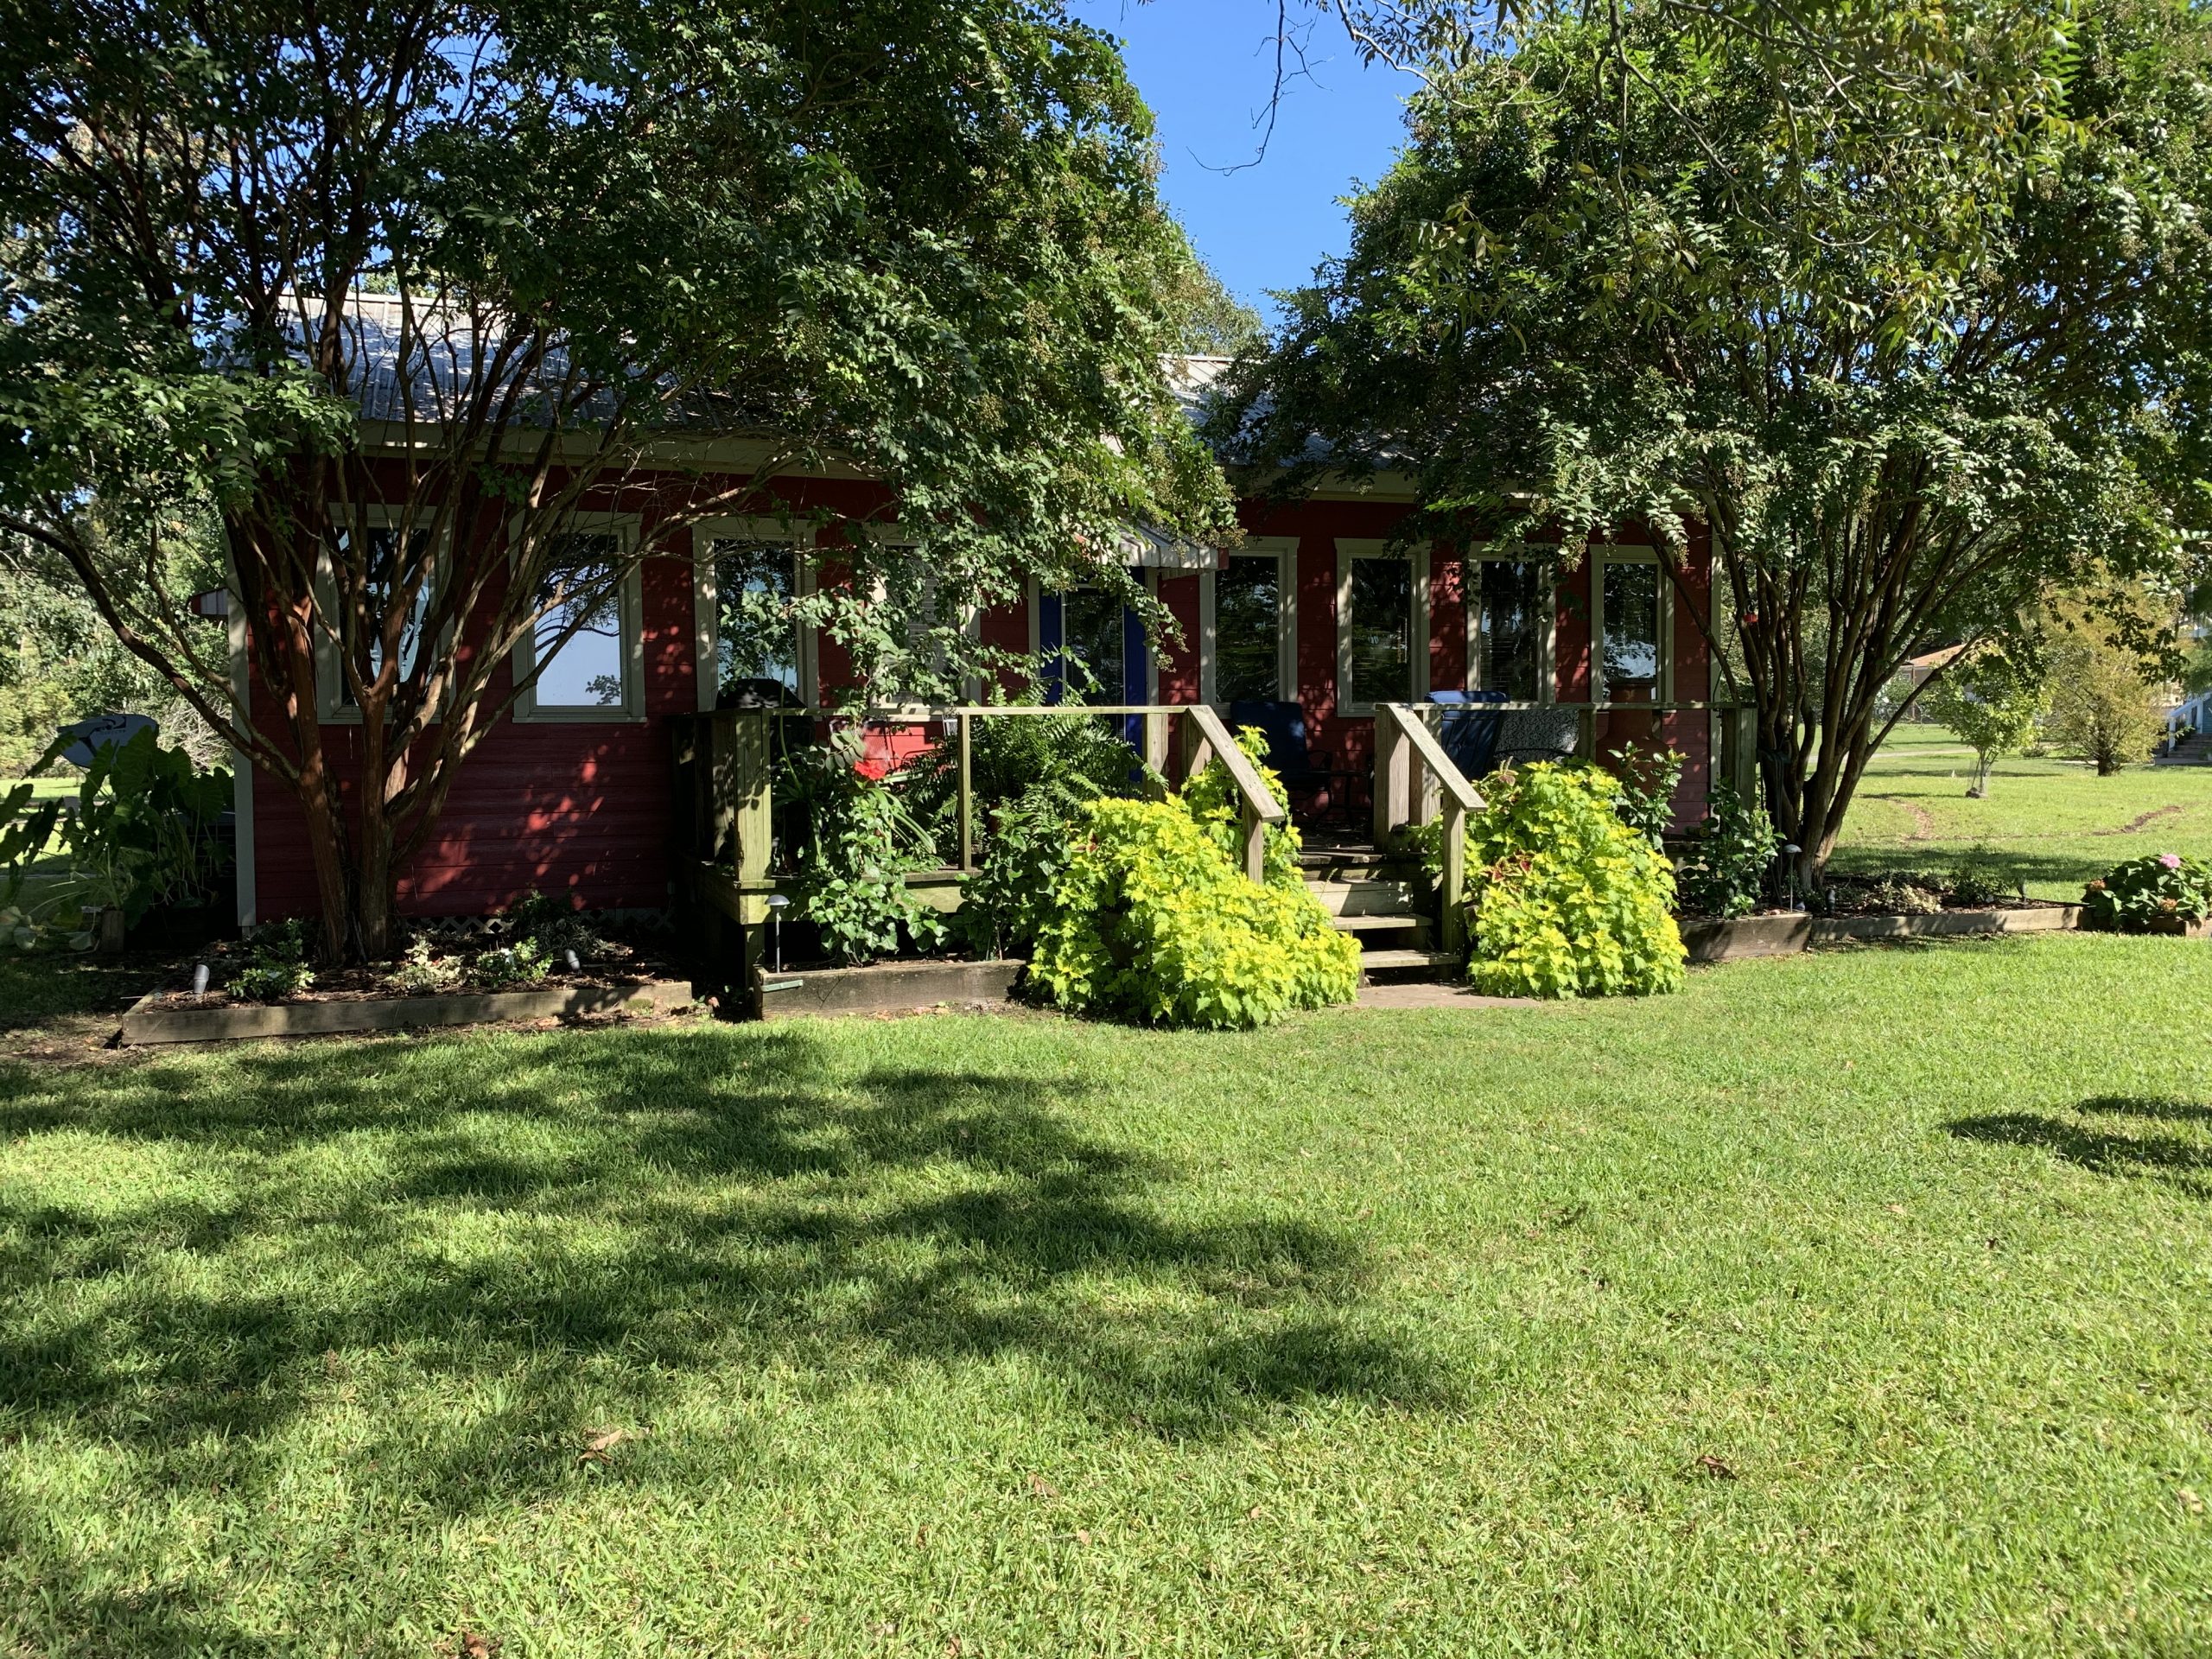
point(1152, 920)
point(276, 965)
point(2168, 887)
point(1568, 899)
point(1647, 778)
point(1907, 892)
point(860, 842)
point(1979, 881)
point(1031, 776)
point(509, 964)
point(422, 973)
point(552, 924)
point(1009, 898)
point(1211, 799)
point(1074, 755)
point(1724, 870)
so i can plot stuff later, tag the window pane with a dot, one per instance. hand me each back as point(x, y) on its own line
point(1631, 638)
point(1248, 600)
point(382, 574)
point(756, 630)
point(1509, 626)
point(1090, 633)
point(587, 671)
point(1380, 629)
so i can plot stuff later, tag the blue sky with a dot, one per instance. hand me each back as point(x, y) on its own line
point(1205, 66)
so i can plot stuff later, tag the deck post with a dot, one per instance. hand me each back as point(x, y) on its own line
point(1743, 750)
point(1452, 884)
point(1586, 731)
point(1256, 844)
point(965, 723)
point(1393, 775)
point(1155, 740)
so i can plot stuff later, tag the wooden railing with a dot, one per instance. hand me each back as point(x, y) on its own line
point(1205, 738)
point(1414, 777)
point(724, 817)
point(1408, 756)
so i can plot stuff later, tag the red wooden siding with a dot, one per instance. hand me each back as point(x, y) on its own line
point(582, 807)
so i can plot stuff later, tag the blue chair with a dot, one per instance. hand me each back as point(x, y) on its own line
point(1469, 732)
point(1283, 724)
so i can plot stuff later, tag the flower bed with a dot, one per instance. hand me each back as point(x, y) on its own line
point(2163, 893)
point(537, 945)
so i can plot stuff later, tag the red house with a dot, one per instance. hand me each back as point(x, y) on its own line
point(1315, 614)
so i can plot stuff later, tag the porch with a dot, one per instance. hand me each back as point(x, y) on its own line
point(731, 839)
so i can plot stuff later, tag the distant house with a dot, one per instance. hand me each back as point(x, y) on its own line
point(1316, 614)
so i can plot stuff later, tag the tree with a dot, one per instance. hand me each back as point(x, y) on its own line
point(548, 257)
point(1622, 276)
point(1994, 701)
point(1216, 323)
point(2102, 708)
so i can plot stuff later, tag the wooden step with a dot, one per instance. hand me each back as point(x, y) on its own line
point(1404, 965)
point(1363, 898)
point(1405, 921)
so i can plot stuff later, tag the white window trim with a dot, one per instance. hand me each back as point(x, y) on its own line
point(329, 673)
point(705, 609)
point(1602, 555)
point(631, 710)
point(1349, 551)
point(1284, 550)
point(1538, 553)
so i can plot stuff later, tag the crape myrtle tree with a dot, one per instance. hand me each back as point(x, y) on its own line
point(1912, 376)
point(400, 293)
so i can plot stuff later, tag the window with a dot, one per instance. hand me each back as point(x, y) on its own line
point(1382, 627)
point(757, 650)
point(1092, 644)
point(1507, 624)
point(1248, 611)
point(585, 646)
point(1632, 608)
point(387, 563)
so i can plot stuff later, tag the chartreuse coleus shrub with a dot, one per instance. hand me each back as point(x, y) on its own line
point(2166, 887)
point(1566, 898)
point(1153, 918)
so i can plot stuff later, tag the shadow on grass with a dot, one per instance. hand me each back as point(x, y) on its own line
point(36, 989)
point(2121, 1149)
point(543, 1235)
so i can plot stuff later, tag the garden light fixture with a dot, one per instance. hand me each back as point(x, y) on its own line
point(776, 901)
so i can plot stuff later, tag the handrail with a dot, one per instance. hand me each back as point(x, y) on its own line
point(1206, 736)
point(1405, 749)
point(1429, 753)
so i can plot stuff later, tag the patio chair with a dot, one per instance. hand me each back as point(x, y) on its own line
point(1284, 726)
point(1470, 732)
point(1537, 734)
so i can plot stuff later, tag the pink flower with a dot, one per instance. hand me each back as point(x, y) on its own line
point(2171, 860)
point(875, 771)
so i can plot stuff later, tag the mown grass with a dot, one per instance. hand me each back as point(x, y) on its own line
point(1850, 1304)
point(2051, 823)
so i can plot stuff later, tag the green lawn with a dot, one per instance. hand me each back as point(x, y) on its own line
point(1857, 1304)
point(2052, 823)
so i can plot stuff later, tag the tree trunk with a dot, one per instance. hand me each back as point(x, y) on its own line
point(374, 893)
point(327, 845)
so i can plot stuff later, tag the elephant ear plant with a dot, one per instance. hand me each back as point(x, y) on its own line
point(143, 833)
